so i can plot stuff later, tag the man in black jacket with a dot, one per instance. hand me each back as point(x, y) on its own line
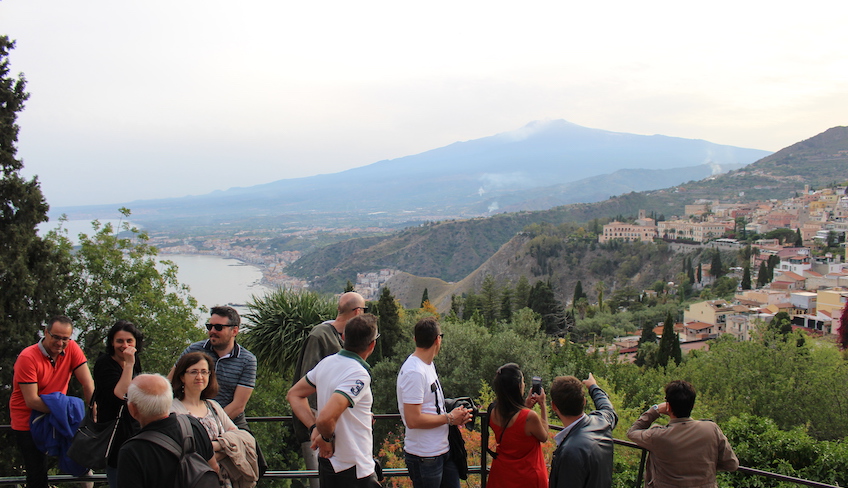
point(583, 458)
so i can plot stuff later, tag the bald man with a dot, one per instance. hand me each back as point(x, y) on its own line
point(141, 463)
point(324, 340)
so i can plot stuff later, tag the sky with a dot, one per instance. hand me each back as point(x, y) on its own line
point(156, 99)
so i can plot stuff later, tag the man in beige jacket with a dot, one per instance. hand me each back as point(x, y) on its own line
point(686, 452)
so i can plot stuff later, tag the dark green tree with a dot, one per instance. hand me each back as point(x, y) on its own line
point(506, 304)
point(393, 338)
point(773, 262)
point(746, 278)
point(522, 293)
point(424, 297)
point(799, 240)
point(543, 302)
point(349, 287)
point(648, 337)
point(578, 292)
point(490, 301)
point(716, 268)
point(762, 275)
point(781, 323)
point(699, 275)
point(669, 349)
point(32, 269)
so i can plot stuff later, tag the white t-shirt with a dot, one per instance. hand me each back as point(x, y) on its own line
point(418, 383)
point(347, 374)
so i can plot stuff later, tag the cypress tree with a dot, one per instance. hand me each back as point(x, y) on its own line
point(746, 278)
point(349, 287)
point(424, 297)
point(762, 275)
point(392, 336)
point(578, 292)
point(32, 269)
point(669, 344)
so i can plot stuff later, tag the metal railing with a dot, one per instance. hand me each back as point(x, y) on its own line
point(482, 469)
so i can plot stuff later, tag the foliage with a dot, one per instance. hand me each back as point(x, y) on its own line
point(280, 322)
point(746, 278)
point(669, 348)
point(32, 270)
point(393, 339)
point(118, 276)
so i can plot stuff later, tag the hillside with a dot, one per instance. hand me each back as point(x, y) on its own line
point(461, 180)
point(452, 250)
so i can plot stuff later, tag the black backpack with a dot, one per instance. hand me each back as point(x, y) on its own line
point(194, 471)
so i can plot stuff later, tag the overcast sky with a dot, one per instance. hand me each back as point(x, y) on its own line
point(139, 100)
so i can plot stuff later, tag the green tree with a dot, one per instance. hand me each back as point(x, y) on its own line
point(762, 275)
point(599, 289)
point(578, 292)
point(543, 302)
point(648, 337)
point(425, 297)
point(32, 269)
point(506, 304)
point(799, 240)
point(669, 349)
point(699, 275)
point(716, 268)
point(522, 293)
point(490, 300)
point(349, 287)
point(781, 323)
point(393, 339)
point(746, 278)
point(280, 322)
point(113, 277)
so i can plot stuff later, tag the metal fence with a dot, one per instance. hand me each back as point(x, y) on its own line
point(482, 470)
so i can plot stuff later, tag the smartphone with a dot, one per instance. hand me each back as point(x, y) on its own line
point(536, 385)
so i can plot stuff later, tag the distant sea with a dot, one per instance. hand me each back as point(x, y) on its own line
point(213, 280)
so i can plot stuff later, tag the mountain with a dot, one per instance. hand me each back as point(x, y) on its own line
point(528, 168)
point(453, 250)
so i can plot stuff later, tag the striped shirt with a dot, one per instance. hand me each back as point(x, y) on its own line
point(236, 369)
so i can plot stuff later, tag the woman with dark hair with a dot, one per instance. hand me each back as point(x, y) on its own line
point(195, 385)
point(113, 373)
point(519, 432)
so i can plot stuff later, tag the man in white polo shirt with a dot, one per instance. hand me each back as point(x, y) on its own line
point(342, 430)
point(421, 402)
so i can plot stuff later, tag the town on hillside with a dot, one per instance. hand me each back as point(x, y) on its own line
point(808, 285)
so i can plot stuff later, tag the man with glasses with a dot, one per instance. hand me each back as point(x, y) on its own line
point(421, 402)
point(45, 367)
point(323, 340)
point(235, 366)
point(342, 430)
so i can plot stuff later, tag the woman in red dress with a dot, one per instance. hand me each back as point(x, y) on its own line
point(519, 432)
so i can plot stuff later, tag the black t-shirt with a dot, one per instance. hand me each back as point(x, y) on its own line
point(107, 373)
point(143, 464)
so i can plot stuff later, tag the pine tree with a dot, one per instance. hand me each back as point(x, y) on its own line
point(669, 344)
point(578, 293)
point(349, 287)
point(522, 293)
point(32, 269)
point(746, 278)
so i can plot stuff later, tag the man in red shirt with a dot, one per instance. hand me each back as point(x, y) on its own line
point(42, 368)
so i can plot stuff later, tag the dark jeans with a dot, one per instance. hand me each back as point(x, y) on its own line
point(343, 479)
point(35, 461)
point(432, 472)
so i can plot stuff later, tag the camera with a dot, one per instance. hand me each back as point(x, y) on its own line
point(467, 402)
point(536, 385)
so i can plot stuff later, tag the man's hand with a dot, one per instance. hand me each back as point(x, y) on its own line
point(590, 381)
point(461, 415)
point(325, 449)
point(662, 408)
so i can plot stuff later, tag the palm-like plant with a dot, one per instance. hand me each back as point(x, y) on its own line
point(279, 323)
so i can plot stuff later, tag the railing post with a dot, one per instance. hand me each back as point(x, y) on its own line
point(641, 469)
point(484, 446)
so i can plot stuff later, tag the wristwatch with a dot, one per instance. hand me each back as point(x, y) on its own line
point(331, 439)
point(311, 428)
point(655, 407)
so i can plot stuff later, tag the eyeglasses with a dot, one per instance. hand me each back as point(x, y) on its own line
point(377, 337)
point(201, 372)
point(58, 338)
point(218, 327)
point(364, 309)
point(442, 335)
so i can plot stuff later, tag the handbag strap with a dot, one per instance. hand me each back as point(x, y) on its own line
point(211, 408)
point(115, 430)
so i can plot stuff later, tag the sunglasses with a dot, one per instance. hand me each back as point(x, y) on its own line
point(364, 309)
point(218, 327)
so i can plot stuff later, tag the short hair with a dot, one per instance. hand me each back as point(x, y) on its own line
point(426, 331)
point(126, 326)
point(567, 394)
point(58, 318)
point(507, 386)
point(360, 332)
point(680, 396)
point(233, 318)
point(150, 404)
point(187, 361)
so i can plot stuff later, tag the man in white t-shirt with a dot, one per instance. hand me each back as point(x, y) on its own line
point(421, 402)
point(342, 430)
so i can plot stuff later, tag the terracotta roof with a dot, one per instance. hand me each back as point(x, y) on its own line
point(791, 276)
point(698, 325)
point(812, 273)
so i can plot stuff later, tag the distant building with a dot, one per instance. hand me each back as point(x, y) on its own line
point(694, 231)
point(643, 230)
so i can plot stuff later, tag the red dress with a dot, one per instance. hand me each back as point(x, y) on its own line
point(520, 462)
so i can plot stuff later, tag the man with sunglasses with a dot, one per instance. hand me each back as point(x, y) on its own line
point(324, 339)
point(235, 366)
point(45, 367)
